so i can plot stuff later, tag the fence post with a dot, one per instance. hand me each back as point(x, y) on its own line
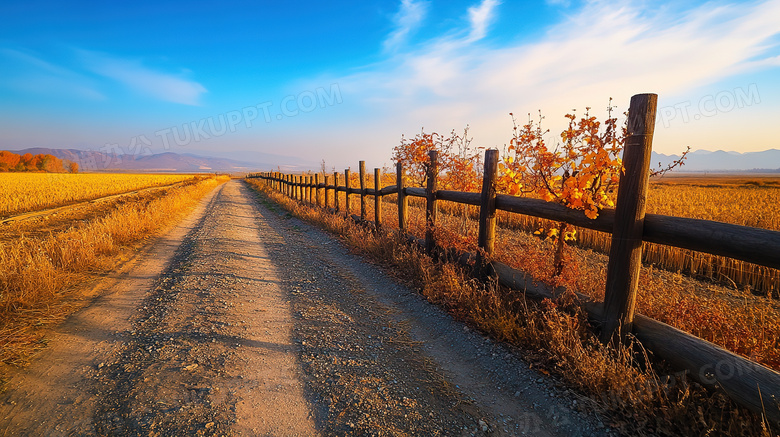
point(487, 210)
point(377, 199)
point(430, 204)
point(402, 201)
point(336, 190)
point(362, 171)
point(346, 193)
point(310, 189)
point(317, 188)
point(327, 196)
point(291, 185)
point(625, 255)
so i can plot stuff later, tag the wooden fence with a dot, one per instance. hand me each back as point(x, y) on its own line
point(749, 383)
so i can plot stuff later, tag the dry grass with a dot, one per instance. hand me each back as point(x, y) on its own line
point(23, 192)
point(557, 337)
point(733, 317)
point(38, 274)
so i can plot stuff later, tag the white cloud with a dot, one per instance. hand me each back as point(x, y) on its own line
point(31, 74)
point(480, 18)
point(409, 16)
point(132, 73)
point(606, 49)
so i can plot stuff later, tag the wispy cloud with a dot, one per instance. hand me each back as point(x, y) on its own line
point(30, 73)
point(480, 18)
point(133, 74)
point(604, 49)
point(408, 18)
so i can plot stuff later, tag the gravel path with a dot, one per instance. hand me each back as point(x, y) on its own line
point(247, 321)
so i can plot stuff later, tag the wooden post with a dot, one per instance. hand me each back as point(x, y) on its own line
point(310, 189)
point(362, 171)
point(317, 188)
point(403, 203)
point(625, 255)
point(487, 208)
point(430, 204)
point(327, 196)
point(346, 193)
point(377, 199)
point(336, 190)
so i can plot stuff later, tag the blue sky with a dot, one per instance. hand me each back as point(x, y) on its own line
point(342, 81)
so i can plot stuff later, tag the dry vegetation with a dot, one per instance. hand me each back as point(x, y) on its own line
point(642, 398)
point(40, 271)
point(23, 192)
point(733, 317)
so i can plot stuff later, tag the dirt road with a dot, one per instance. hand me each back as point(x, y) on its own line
point(246, 321)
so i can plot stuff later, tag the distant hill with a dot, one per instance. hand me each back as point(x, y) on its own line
point(163, 162)
point(767, 161)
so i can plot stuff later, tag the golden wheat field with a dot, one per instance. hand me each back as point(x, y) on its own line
point(43, 261)
point(23, 192)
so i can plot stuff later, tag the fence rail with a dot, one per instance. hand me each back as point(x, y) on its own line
point(749, 383)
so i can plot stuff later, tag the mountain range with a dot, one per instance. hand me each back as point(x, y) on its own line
point(767, 161)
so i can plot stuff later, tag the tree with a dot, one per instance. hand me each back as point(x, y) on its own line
point(73, 167)
point(581, 172)
point(459, 162)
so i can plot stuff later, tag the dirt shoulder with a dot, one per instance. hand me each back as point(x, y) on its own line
point(246, 321)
